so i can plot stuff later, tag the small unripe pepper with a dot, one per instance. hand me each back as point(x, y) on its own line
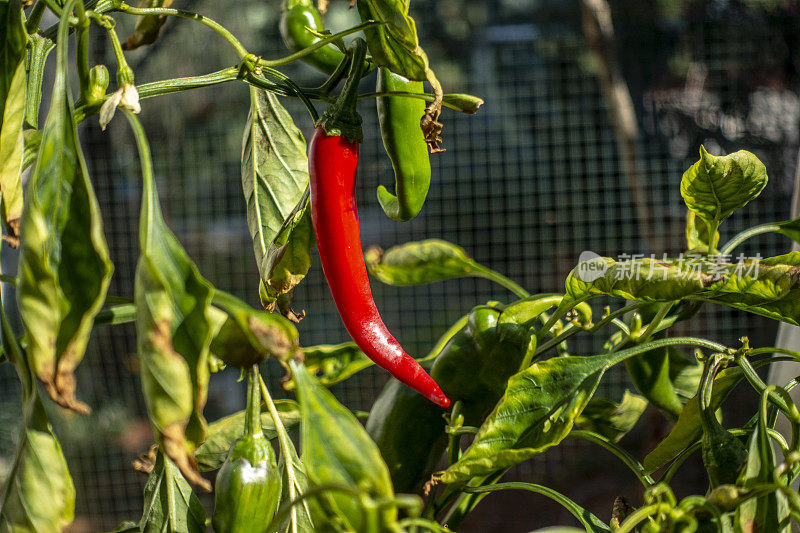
point(248, 486)
point(405, 144)
point(333, 158)
point(98, 83)
point(296, 17)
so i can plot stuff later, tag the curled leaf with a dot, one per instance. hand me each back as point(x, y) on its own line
point(64, 267)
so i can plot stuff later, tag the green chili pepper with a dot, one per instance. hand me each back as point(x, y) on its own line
point(399, 119)
point(248, 486)
point(297, 17)
point(473, 367)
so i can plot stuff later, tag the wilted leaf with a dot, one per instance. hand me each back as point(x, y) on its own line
point(173, 329)
point(39, 495)
point(246, 336)
point(64, 267)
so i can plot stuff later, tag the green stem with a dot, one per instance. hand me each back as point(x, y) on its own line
point(757, 383)
point(571, 330)
point(454, 439)
point(641, 514)
point(285, 446)
point(771, 349)
point(444, 339)
point(298, 92)
point(227, 35)
point(576, 511)
point(316, 46)
point(252, 421)
point(746, 234)
point(630, 461)
point(500, 279)
point(652, 327)
point(35, 17)
point(82, 49)
point(335, 77)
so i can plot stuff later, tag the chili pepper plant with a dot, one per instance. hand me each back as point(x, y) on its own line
point(501, 386)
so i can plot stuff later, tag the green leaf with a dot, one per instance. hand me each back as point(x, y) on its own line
point(13, 39)
point(337, 450)
point(275, 185)
point(169, 503)
point(765, 287)
point(419, 262)
point(37, 57)
point(697, 235)
point(173, 329)
point(64, 266)
point(39, 495)
point(246, 336)
point(610, 419)
point(32, 140)
point(535, 413)
point(394, 44)
point(688, 429)
point(769, 512)
point(715, 187)
point(333, 363)
point(227, 430)
point(299, 519)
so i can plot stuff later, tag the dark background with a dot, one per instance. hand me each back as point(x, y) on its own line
point(525, 185)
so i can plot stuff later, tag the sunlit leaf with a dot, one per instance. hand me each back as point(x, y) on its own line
point(275, 185)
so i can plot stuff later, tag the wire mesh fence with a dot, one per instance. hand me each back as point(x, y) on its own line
point(525, 186)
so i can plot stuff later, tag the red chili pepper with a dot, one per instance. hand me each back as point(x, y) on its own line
point(333, 158)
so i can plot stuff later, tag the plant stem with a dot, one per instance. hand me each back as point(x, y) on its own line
point(35, 17)
point(570, 330)
point(252, 421)
point(82, 49)
point(316, 46)
point(739, 238)
point(630, 461)
point(500, 279)
point(641, 514)
point(285, 446)
point(576, 511)
point(652, 327)
point(227, 35)
point(454, 439)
